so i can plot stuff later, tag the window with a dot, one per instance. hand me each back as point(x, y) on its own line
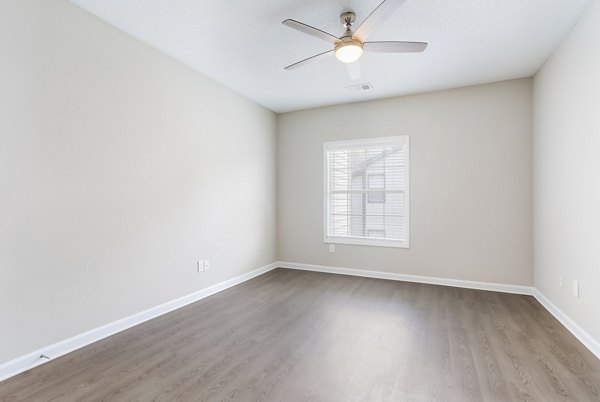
point(366, 192)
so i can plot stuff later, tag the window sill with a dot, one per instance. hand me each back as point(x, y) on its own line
point(359, 241)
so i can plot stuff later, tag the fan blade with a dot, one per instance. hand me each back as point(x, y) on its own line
point(383, 11)
point(395, 47)
point(312, 31)
point(309, 60)
point(354, 70)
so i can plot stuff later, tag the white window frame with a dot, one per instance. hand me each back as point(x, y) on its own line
point(361, 143)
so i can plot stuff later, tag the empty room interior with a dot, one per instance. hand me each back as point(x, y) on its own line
point(297, 200)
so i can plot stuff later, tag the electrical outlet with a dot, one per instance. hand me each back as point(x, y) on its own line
point(561, 279)
point(203, 265)
point(575, 288)
point(332, 248)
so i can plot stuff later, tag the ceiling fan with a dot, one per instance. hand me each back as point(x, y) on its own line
point(350, 46)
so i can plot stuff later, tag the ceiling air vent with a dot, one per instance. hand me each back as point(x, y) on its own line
point(360, 87)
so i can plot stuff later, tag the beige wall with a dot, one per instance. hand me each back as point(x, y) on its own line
point(470, 182)
point(119, 168)
point(567, 174)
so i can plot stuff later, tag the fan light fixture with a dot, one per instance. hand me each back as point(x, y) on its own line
point(349, 52)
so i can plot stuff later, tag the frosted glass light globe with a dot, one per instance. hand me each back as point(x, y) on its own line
point(349, 52)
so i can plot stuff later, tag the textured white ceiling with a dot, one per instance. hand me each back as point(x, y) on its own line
point(244, 46)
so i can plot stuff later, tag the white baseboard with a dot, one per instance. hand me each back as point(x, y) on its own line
point(585, 338)
point(30, 360)
point(495, 287)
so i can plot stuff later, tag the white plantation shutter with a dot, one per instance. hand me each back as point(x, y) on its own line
point(366, 191)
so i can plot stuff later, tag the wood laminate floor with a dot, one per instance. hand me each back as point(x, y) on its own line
point(294, 336)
